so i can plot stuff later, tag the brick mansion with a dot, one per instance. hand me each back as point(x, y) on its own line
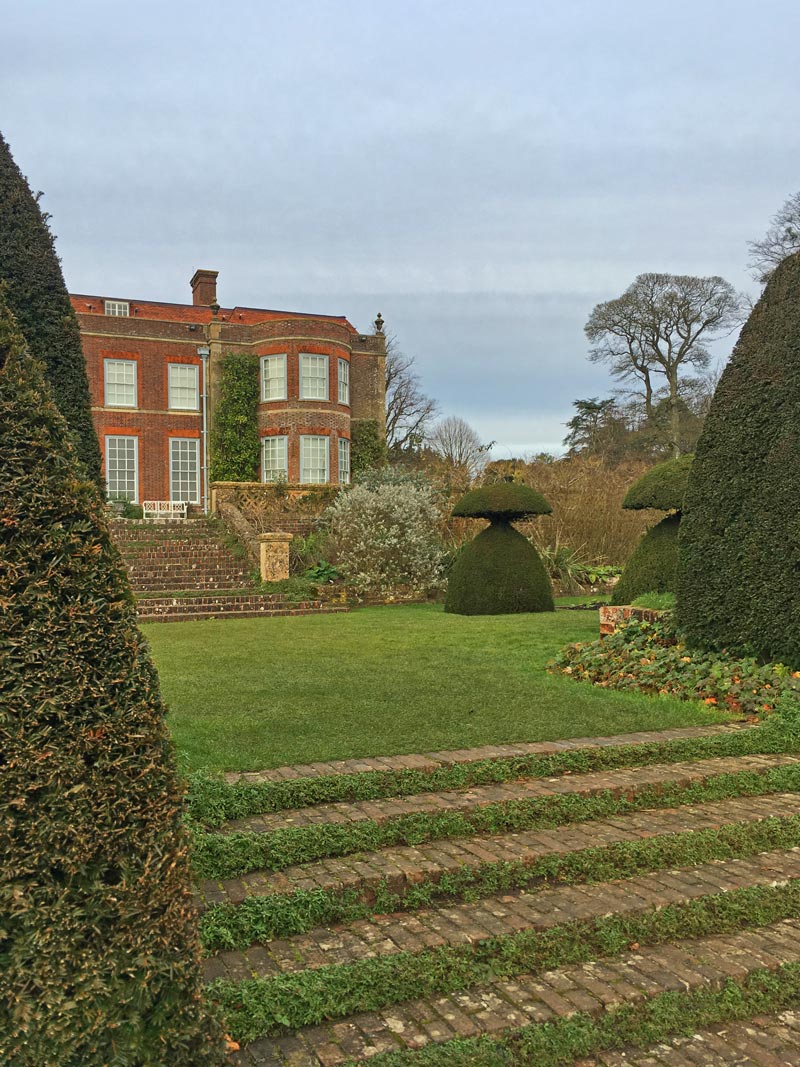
point(154, 372)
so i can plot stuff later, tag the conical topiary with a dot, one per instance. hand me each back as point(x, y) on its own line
point(652, 567)
point(98, 946)
point(739, 549)
point(499, 572)
point(40, 303)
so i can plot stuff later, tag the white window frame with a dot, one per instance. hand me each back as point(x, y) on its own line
point(344, 468)
point(282, 472)
point(170, 388)
point(264, 379)
point(344, 382)
point(305, 442)
point(117, 308)
point(195, 441)
point(114, 494)
point(305, 379)
point(121, 362)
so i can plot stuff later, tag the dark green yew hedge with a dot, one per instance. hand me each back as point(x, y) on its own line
point(651, 568)
point(738, 580)
point(498, 573)
point(38, 298)
point(662, 487)
point(98, 943)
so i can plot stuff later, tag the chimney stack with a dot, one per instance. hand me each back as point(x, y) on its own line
point(204, 287)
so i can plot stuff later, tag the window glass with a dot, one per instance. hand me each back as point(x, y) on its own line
point(122, 462)
point(184, 470)
point(314, 460)
point(184, 392)
point(274, 459)
point(313, 377)
point(273, 377)
point(344, 382)
point(117, 307)
point(120, 385)
point(344, 461)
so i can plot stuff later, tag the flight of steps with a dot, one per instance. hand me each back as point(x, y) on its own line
point(509, 1017)
point(190, 564)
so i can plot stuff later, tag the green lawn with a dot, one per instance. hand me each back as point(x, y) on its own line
point(255, 693)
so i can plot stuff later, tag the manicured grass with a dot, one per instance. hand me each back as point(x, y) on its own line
point(256, 693)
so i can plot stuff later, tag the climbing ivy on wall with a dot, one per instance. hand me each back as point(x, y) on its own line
point(234, 439)
point(367, 446)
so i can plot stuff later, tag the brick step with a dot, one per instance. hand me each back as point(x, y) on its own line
point(765, 1041)
point(433, 761)
point(399, 868)
point(622, 782)
point(177, 609)
point(208, 556)
point(501, 915)
point(184, 578)
point(499, 1008)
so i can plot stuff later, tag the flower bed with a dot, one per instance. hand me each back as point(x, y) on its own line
point(649, 656)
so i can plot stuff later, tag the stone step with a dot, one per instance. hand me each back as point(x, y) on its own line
point(402, 867)
point(501, 915)
point(622, 782)
point(432, 761)
point(499, 1008)
point(764, 1041)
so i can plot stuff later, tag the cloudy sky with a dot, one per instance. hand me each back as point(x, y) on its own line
point(481, 173)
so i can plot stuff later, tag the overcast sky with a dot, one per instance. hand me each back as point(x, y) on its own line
point(481, 173)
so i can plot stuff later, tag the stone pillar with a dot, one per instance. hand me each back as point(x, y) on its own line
point(274, 554)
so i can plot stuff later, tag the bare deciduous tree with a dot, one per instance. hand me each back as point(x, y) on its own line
point(661, 325)
point(408, 410)
point(460, 446)
point(781, 239)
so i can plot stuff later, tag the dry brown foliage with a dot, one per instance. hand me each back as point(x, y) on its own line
point(586, 498)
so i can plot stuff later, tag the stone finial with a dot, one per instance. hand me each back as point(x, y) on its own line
point(379, 323)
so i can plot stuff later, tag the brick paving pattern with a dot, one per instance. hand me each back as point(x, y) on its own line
point(619, 782)
point(502, 915)
point(431, 761)
point(499, 1007)
point(766, 1041)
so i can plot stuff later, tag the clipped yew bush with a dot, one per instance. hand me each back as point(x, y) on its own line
point(98, 947)
point(38, 298)
point(499, 572)
point(739, 553)
point(652, 567)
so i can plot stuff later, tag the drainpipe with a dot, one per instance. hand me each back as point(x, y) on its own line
point(203, 352)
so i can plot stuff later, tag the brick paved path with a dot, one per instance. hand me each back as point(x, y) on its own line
point(500, 1007)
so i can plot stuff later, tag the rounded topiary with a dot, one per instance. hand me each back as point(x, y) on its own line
point(499, 572)
point(651, 568)
point(662, 487)
point(739, 551)
point(99, 944)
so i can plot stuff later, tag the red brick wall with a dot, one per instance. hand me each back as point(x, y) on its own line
point(156, 334)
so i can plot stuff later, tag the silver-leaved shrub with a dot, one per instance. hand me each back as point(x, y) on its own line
point(386, 538)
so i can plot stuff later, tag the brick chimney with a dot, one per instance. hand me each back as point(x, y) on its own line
point(204, 287)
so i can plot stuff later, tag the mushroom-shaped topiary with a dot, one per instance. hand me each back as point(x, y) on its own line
point(499, 572)
point(652, 567)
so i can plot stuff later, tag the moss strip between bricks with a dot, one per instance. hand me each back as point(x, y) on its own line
point(212, 801)
point(230, 855)
point(263, 918)
point(258, 1006)
point(761, 992)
